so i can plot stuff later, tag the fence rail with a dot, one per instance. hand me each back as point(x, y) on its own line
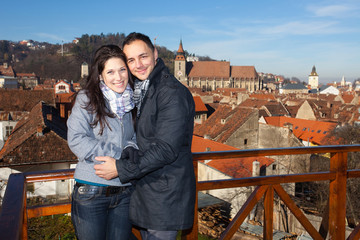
point(15, 212)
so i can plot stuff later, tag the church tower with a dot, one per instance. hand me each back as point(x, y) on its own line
point(313, 79)
point(343, 82)
point(180, 64)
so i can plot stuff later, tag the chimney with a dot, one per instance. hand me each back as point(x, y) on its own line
point(289, 126)
point(206, 136)
point(256, 169)
point(39, 131)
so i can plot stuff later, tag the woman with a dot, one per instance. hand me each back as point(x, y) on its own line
point(101, 125)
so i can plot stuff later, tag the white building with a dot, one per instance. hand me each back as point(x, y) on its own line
point(6, 128)
point(62, 87)
point(329, 90)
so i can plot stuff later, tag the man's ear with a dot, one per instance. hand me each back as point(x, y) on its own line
point(155, 54)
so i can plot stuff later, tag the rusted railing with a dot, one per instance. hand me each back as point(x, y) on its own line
point(14, 215)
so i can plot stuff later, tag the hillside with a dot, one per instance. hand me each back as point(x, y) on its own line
point(63, 61)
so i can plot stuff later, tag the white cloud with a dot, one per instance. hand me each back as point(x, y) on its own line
point(332, 11)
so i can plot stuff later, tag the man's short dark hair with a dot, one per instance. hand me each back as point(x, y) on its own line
point(137, 36)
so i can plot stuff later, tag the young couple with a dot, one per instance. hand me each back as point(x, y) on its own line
point(125, 177)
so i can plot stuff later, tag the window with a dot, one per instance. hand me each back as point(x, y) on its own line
point(304, 129)
point(8, 130)
point(318, 131)
point(274, 167)
point(245, 141)
point(325, 132)
point(296, 127)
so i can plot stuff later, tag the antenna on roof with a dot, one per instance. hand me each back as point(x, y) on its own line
point(155, 40)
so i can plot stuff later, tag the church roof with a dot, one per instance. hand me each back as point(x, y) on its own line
point(210, 69)
point(180, 56)
point(243, 72)
point(180, 50)
point(313, 72)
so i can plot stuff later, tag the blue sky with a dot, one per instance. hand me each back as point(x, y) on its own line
point(276, 36)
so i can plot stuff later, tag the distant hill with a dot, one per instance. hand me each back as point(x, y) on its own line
point(64, 61)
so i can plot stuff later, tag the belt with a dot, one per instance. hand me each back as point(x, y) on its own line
point(106, 190)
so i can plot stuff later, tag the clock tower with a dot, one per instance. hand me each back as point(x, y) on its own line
point(314, 79)
point(180, 65)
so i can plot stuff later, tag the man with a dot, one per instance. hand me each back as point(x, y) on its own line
point(164, 196)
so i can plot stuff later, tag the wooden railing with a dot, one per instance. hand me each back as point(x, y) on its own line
point(15, 213)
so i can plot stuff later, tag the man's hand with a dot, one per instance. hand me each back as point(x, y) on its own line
point(106, 170)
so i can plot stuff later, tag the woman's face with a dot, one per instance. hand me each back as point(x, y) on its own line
point(115, 74)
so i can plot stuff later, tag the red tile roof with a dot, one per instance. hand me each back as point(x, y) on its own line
point(255, 103)
point(243, 72)
point(25, 75)
point(307, 130)
point(7, 71)
point(239, 167)
point(200, 144)
point(347, 97)
point(223, 122)
point(199, 104)
point(37, 138)
point(65, 97)
point(262, 96)
point(229, 91)
point(12, 115)
point(235, 167)
point(24, 100)
point(210, 69)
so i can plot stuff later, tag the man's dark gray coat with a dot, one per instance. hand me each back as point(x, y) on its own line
point(164, 195)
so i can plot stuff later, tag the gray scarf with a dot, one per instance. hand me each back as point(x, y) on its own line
point(140, 89)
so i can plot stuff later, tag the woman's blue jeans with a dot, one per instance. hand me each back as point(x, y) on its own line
point(101, 212)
